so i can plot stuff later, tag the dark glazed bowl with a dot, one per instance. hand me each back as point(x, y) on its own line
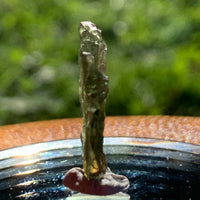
point(157, 169)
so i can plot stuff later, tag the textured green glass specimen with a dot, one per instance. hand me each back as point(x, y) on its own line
point(93, 90)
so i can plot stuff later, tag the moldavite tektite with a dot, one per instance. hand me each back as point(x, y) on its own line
point(95, 178)
point(93, 90)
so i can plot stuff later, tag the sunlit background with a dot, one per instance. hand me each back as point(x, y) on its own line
point(153, 60)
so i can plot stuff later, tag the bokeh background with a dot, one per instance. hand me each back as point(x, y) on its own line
point(153, 60)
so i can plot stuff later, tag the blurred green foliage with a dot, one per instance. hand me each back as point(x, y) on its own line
point(153, 60)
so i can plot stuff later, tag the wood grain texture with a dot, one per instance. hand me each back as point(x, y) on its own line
point(183, 129)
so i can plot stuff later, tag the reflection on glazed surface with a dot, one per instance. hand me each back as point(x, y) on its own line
point(156, 168)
